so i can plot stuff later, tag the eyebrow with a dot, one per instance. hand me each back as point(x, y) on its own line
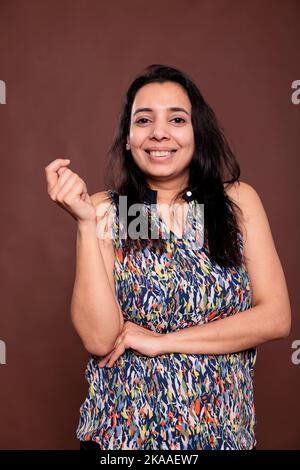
point(150, 110)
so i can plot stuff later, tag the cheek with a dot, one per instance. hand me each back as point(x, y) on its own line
point(185, 137)
point(137, 136)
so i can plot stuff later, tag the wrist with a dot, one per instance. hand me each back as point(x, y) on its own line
point(86, 225)
point(162, 344)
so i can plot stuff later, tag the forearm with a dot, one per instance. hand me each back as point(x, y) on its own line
point(231, 334)
point(94, 311)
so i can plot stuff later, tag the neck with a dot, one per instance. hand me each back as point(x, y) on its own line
point(166, 191)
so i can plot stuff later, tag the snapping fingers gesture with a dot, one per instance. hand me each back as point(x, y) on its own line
point(68, 190)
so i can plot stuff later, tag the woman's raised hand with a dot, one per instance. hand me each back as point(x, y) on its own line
point(69, 191)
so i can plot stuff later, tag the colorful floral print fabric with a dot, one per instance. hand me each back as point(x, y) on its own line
point(173, 401)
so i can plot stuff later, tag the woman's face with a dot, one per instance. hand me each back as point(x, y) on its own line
point(157, 126)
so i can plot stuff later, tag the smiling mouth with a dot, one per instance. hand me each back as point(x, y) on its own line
point(160, 154)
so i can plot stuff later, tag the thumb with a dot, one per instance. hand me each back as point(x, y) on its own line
point(61, 170)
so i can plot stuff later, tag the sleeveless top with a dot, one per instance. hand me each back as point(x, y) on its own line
point(173, 401)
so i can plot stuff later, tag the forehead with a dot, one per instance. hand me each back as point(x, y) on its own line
point(160, 96)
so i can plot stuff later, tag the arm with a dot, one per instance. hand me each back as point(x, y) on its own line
point(270, 316)
point(95, 312)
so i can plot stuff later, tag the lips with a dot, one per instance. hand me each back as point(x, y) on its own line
point(160, 153)
point(160, 158)
point(160, 150)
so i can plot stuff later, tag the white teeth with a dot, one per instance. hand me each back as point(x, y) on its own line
point(160, 153)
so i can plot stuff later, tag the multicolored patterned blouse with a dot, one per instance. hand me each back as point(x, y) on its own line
point(173, 401)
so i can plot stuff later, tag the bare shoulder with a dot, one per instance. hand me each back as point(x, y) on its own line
point(249, 202)
point(100, 198)
point(242, 193)
point(102, 201)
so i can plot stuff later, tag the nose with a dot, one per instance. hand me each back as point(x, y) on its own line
point(159, 130)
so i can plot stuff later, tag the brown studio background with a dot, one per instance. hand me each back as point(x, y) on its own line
point(67, 65)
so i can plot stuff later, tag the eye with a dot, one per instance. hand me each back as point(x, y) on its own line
point(183, 120)
point(138, 121)
point(141, 119)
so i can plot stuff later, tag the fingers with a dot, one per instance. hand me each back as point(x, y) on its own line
point(52, 169)
point(62, 170)
point(110, 358)
point(64, 175)
point(77, 188)
point(68, 186)
point(116, 353)
point(104, 360)
point(119, 349)
point(69, 180)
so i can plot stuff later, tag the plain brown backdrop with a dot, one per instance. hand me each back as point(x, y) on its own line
point(67, 65)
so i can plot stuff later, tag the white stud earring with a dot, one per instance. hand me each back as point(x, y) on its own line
point(127, 146)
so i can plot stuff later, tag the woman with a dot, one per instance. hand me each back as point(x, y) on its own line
point(171, 324)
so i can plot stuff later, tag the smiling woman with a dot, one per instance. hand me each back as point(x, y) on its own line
point(165, 112)
point(172, 326)
point(160, 159)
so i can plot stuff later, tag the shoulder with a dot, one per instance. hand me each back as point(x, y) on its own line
point(242, 193)
point(102, 202)
point(253, 223)
point(251, 215)
point(249, 202)
point(100, 197)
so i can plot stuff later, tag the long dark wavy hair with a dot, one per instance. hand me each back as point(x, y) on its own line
point(212, 162)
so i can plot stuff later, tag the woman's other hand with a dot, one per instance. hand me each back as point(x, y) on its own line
point(69, 191)
point(141, 340)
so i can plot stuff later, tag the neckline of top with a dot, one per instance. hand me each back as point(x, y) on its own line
point(150, 195)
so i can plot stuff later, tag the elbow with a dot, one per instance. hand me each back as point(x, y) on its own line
point(285, 330)
point(277, 324)
point(101, 346)
point(284, 326)
point(98, 349)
